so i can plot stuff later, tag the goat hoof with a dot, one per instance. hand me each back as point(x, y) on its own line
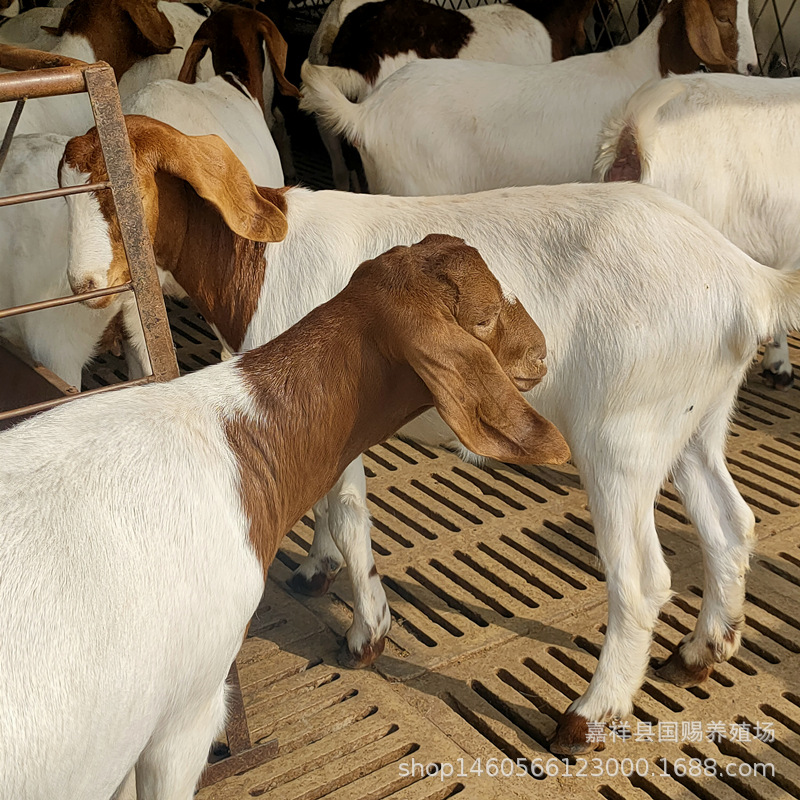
point(572, 736)
point(782, 381)
point(364, 658)
point(315, 586)
point(675, 670)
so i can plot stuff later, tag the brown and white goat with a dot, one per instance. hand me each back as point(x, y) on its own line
point(184, 509)
point(237, 38)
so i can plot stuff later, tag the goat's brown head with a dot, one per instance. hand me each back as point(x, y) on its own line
point(175, 172)
point(121, 32)
point(441, 311)
point(236, 37)
point(716, 33)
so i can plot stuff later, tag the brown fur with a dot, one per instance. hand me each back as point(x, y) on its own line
point(564, 20)
point(406, 333)
point(203, 212)
point(235, 36)
point(376, 31)
point(695, 32)
point(121, 32)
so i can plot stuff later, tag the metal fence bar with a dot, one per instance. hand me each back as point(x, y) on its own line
point(64, 301)
point(11, 129)
point(102, 88)
point(47, 194)
point(36, 407)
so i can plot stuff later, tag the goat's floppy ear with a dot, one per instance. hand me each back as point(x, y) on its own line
point(197, 49)
point(478, 401)
point(214, 172)
point(703, 34)
point(152, 24)
point(277, 50)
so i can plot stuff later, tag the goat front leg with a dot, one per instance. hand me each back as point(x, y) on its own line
point(725, 524)
point(776, 367)
point(638, 582)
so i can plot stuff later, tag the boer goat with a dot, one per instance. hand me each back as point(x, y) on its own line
point(638, 297)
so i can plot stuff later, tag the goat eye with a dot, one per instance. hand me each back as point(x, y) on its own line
point(724, 20)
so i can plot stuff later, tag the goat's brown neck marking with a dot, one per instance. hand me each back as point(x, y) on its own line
point(221, 271)
point(315, 414)
point(564, 21)
point(376, 31)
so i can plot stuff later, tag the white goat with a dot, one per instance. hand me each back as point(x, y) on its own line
point(148, 46)
point(25, 30)
point(182, 510)
point(479, 126)
point(639, 298)
point(727, 146)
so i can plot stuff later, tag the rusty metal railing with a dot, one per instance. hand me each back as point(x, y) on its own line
point(48, 75)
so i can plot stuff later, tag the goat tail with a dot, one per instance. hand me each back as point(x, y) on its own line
point(326, 92)
point(623, 152)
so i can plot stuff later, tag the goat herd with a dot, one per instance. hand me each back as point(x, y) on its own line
point(133, 555)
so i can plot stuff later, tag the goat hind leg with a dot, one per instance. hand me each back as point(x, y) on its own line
point(725, 524)
point(322, 564)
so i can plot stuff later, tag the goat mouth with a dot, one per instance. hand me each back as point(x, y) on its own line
point(525, 384)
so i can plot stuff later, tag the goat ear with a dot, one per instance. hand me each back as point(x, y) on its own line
point(478, 401)
point(277, 50)
point(703, 34)
point(209, 166)
point(51, 30)
point(152, 24)
point(197, 49)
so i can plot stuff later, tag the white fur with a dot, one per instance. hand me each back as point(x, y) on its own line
point(25, 29)
point(72, 114)
point(214, 106)
point(126, 562)
point(479, 126)
point(730, 147)
point(503, 34)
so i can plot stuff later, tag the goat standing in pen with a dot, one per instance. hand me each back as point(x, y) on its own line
point(479, 126)
point(651, 317)
point(727, 146)
point(184, 507)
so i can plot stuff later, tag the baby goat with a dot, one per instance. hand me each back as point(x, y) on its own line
point(184, 506)
point(729, 147)
point(651, 316)
point(479, 126)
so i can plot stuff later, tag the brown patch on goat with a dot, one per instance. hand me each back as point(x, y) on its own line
point(627, 165)
point(113, 336)
point(121, 32)
point(195, 192)
point(235, 36)
point(398, 339)
point(376, 31)
point(564, 20)
point(696, 32)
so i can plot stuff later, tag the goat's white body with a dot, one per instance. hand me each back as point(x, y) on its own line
point(503, 34)
point(480, 126)
point(25, 29)
point(145, 602)
point(72, 114)
point(214, 106)
point(729, 147)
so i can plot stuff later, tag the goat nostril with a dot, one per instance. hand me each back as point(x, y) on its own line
point(751, 69)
